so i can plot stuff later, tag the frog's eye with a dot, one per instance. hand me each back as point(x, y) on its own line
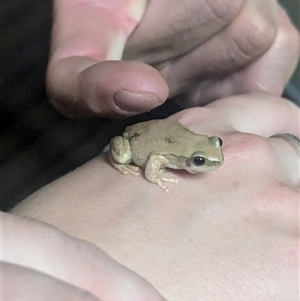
point(221, 141)
point(198, 160)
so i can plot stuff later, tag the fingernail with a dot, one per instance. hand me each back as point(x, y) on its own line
point(135, 102)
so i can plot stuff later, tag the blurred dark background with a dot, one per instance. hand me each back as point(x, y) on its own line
point(37, 145)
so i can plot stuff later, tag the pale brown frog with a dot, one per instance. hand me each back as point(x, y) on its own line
point(159, 144)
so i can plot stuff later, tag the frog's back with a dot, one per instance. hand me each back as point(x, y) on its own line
point(157, 136)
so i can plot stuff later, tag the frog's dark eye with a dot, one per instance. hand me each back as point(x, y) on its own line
point(198, 160)
point(221, 141)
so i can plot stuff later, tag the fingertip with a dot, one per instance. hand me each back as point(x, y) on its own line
point(122, 89)
point(80, 87)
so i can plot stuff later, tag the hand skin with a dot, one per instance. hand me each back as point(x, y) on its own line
point(232, 234)
point(121, 58)
point(41, 263)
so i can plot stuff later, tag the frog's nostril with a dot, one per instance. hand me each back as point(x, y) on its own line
point(218, 142)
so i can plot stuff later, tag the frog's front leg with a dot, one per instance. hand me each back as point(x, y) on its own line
point(155, 167)
point(120, 156)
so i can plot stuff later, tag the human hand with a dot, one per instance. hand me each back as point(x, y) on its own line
point(231, 234)
point(202, 49)
point(42, 263)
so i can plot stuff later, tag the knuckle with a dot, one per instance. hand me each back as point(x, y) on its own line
point(248, 151)
point(225, 10)
point(288, 36)
point(253, 35)
point(293, 37)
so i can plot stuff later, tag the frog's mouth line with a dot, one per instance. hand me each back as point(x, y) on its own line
point(193, 172)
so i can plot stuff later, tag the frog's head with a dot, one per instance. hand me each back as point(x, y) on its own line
point(209, 156)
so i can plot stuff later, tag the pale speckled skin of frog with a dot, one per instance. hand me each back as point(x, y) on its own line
point(158, 144)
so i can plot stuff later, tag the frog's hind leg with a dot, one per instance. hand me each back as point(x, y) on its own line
point(124, 168)
point(120, 156)
point(154, 168)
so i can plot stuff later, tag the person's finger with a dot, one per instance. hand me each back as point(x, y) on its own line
point(23, 284)
point(273, 70)
point(86, 33)
point(249, 126)
point(257, 113)
point(81, 87)
point(244, 40)
point(41, 247)
point(254, 156)
point(269, 73)
point(245, 123)
point(169, 33)
point(286, 149)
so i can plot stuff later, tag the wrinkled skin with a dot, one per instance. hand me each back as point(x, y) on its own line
point(201, 49)
point(232, 234)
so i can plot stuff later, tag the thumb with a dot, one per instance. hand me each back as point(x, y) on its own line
point(80, 87)
point(86, 75)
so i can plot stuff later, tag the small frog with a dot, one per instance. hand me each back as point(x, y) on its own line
point(157, 144)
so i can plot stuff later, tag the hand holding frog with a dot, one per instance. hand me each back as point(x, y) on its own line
point(232, 234)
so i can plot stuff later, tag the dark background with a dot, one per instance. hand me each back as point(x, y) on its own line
point(37, 145)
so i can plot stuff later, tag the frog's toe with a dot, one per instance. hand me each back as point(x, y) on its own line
point(133, 170)
point(122, 169)
point(164, 187)
point(161, 185)
point(170, 180)
point(126, 169)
